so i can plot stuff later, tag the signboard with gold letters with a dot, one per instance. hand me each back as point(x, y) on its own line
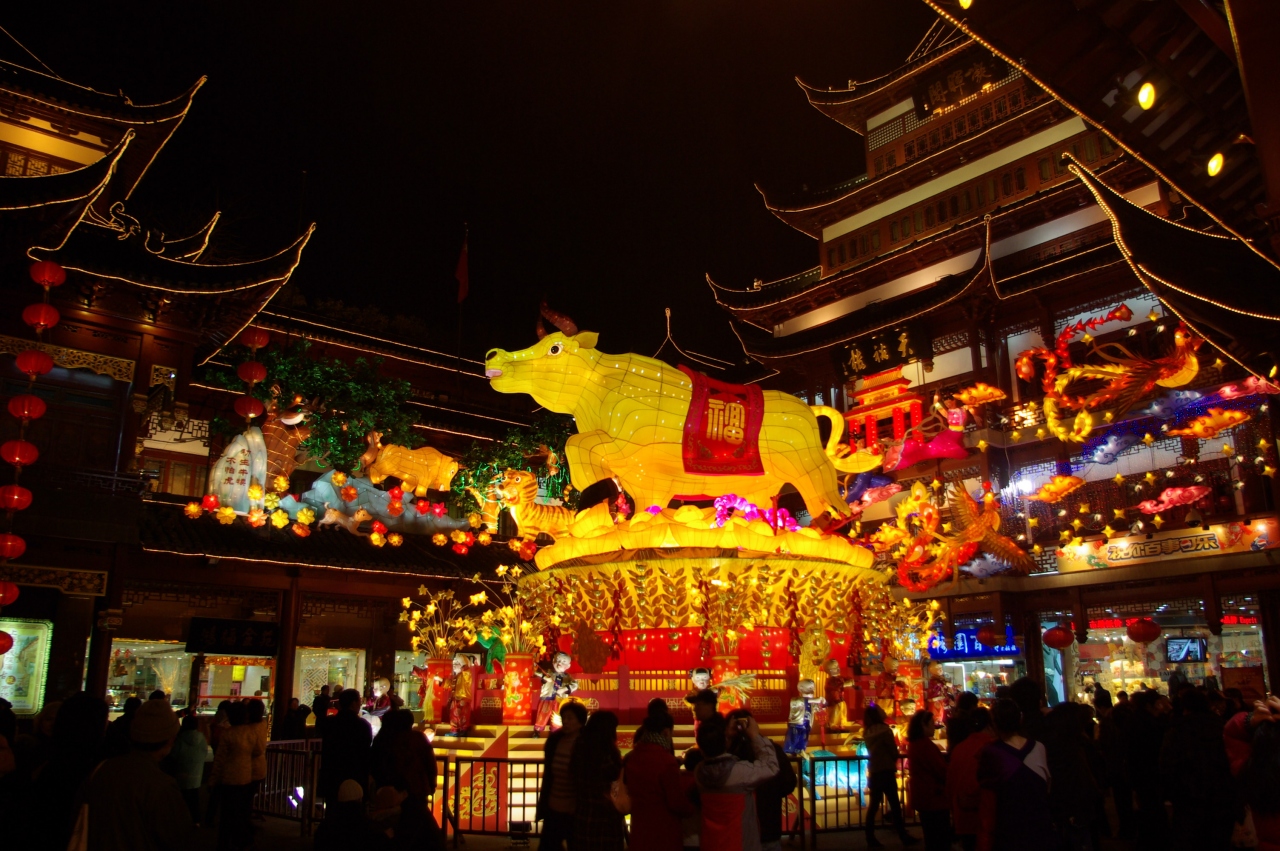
point(884, 350)
point(958, 79)
point(1263, 533)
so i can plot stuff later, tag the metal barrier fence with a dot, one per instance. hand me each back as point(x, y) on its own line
point(289, 789)
point(838, 789)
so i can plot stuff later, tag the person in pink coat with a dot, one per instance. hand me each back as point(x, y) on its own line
point(1253, 747)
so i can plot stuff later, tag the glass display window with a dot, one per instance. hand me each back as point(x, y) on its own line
point(338, 668)
point(139, 668)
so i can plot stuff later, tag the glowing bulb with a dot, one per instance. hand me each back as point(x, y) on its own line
point(1215, 164)
point(965, 4)
point(1147, 96)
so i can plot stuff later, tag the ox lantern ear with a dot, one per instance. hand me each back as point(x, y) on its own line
point(586, 339)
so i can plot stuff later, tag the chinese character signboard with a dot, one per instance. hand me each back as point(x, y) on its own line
point(23, 668)
point(722, 429)
point(965, 645)
point(884, 350)
point(237, 638)
point(1219, 539)
point(958, 79)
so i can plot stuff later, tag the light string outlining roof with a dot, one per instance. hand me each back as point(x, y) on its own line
point(719, 365)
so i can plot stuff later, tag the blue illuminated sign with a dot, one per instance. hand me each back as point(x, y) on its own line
point(965, 645)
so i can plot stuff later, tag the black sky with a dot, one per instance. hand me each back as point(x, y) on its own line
point(604, 152)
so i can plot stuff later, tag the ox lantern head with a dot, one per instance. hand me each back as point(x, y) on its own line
point(554, 371)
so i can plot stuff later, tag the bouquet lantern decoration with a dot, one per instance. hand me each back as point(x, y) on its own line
point(728, 609)
point(518, 620)
point(900, 628)
point(439, 623)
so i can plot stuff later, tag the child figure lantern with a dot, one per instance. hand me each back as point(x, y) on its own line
point(800, 720)
point(379, 703)
point(457, 709)
point(557, 686)
point(837, 708)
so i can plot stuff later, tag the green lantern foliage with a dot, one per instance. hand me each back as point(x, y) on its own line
point(538, 449)
point(346, 401)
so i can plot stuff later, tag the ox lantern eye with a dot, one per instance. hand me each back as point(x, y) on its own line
point(556, 348)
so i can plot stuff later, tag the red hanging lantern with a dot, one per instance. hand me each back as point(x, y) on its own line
point(14, 498)
point(1143, 631)
point(1059, 637)
point(34, 362)
point(19, 453)
point(251, 372)
point(254, 338)
point(46, 273)
point(249, 407)
point(11, 546)
point(988, 636)
point(8, 593)
point(40, 316)
point(210, 502)
point(27, 407)
point(6, 642)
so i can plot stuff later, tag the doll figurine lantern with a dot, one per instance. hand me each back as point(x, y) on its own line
point(557, 687)
point(457, 708)
point(800, 719)
point(837, 707)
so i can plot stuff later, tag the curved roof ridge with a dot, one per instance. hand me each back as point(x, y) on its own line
point(48, 88)
point(88, 181)
point(862, 89)
point(760, 285)
point(189, 247)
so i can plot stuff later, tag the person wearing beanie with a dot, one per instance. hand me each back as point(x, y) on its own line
point(133, 804)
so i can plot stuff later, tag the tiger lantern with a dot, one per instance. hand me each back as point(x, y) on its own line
point(418, 469)
point(664, 433)
point(519, 490)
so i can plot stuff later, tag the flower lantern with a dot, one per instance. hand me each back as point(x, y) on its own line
point(47, 274)
point(11, 546)
point(249, 407)
point(27, 407)
point(988, 635)
point(1143, 631)
point(210, 502)
point(1058, 637)
point(6, 642)
point(8, 593)
point(34, 362)
point(251, 371)
point(14, 498)
point(19, 453)
point(40, 316)
point(254, 338)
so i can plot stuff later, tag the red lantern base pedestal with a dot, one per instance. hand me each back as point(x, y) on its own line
point(517, 689)
point(724, 668)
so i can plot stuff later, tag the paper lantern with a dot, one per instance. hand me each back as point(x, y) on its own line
point(40, 316)
point(1143, 631)
point(19, 453)
point(210, 502)
point(251, 371)
point(1059, 637)
point(379, 527)
point(46, 273)
point(11, 546)
point(34, 362)
point(988, 635)
point(8, 593)
point(14, 498)
point(6, 642)
point(249, 407)
point(254, 338)
point(27, 407)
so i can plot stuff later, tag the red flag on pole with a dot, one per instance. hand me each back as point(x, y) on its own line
point(462, 274)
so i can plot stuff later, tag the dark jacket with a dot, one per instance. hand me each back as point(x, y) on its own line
point(134, 806)
point(770, 795)
point(927, 781)
point(548, 753)
point(1194, 767)
point(345, 752)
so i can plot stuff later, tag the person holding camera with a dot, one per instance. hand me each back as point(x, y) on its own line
point(727, 784)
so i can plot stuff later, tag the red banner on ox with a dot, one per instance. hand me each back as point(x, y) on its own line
point(722, 430)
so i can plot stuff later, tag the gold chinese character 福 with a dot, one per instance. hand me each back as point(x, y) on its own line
point(726, 421)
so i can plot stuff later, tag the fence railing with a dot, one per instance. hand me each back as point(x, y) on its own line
point(498, 796)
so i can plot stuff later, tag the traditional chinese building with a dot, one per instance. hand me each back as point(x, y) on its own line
point(1019, 181)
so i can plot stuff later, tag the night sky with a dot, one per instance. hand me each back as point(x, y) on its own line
point(603, 153)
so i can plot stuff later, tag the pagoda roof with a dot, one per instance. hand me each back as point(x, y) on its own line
point(190, 247)
point(44, 209)
point(33, 92)
point(852, 105)
point(1186, 268)
point(1092, 60)
point(163, 528)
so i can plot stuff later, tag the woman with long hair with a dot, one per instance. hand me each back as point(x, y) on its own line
point(928, 782)
point(595, 765)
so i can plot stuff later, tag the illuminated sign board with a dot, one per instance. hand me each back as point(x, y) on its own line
point(965, 645)
point(1219, 539)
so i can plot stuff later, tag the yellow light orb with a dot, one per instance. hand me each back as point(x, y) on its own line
point(1215, 164)
point(965, 4)
point(1147, 96)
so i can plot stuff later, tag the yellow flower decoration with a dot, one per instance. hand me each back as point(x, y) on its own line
point(377, 539)
point(193, 510)
point(475, 519)
point(280, 484)
point(256, 517)
point(458, 536)
point(439, 539)
point(514, 544)
point(405, 601)
point(395, 539)
point(338, 478)
point(440, 642)
point(484, 539)
point(501, 570)
point(226, 515)
point(255, 490)
point(479, 598)
point(279, 518)
point(306, 516)
point(271, 501)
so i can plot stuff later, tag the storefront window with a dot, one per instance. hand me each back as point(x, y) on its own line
point(969, 665)
point(140, 667)
point(318, 666)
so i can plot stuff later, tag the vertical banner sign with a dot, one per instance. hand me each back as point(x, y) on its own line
point(722, 429)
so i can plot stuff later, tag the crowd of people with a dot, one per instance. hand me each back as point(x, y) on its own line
point(1198, 770)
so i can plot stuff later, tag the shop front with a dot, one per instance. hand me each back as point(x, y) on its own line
point(967, 664)
point(338, 668)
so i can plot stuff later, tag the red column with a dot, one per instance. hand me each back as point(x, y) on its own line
point(873, 437)
point(899, 424)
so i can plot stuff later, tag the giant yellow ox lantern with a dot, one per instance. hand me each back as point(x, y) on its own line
point(631, 413)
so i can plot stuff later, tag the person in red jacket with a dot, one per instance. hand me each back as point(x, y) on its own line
point(658, 798)
point(928, 782)
point(963, 791)
point(1253, 747)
